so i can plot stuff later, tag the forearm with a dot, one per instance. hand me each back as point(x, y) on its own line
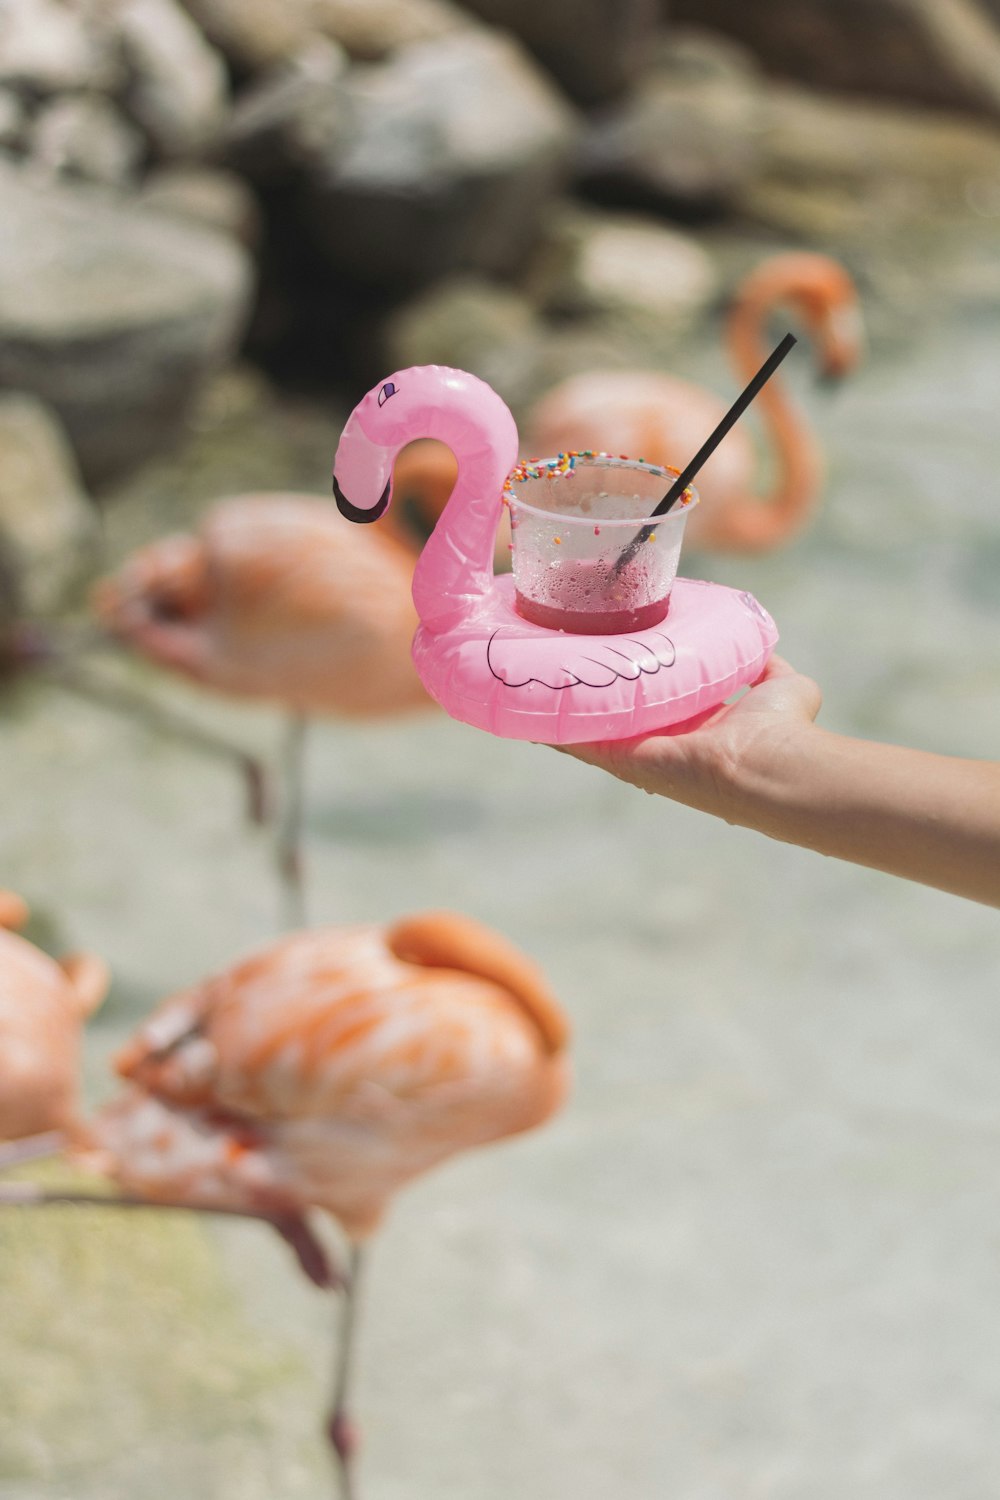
point(929, 818)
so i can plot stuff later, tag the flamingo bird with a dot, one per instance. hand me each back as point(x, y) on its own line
point(652, 415)
point(325, 1072)
point(43, 1003)
point(274, 599)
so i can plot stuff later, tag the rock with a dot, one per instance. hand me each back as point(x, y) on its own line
point(255, 34)
point(112, 314)
point(177, 83)
point(472, 324)
point(596, 54)
point(46, 46)
point(79, 135)
point(370, 30)
point(13, 121)
point(626, 266)
point(48, 526)
point(869, 169)
point(941, 52)
point(619, 289)
point(686, 138)
point(446, 159)
point(205, 195)
point(288, 116)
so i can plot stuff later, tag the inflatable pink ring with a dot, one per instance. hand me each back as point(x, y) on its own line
point(476, 655)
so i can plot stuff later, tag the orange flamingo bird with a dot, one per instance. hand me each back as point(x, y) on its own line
point(43, 1003)
point(328, 1070)
point(275, 599)
point(653, 415)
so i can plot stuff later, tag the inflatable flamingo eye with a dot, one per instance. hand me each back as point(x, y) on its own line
point(387, 390)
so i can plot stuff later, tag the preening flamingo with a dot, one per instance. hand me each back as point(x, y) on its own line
point(43, 1003)
point(649, 414)
point(328, 1070)
point(275, 599)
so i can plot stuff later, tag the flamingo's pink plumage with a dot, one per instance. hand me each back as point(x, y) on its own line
point(332, 1067)
point(42, 1007)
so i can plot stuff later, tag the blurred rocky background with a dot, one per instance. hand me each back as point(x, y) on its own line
point(757, 1255)
point(294, 195)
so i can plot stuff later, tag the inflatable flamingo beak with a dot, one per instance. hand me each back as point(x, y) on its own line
point(362, 474)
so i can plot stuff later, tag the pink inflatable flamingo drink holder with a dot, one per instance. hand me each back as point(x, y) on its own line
point(684, 646)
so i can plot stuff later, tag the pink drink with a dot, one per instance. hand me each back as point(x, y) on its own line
point(586, 558)
point(587, 597)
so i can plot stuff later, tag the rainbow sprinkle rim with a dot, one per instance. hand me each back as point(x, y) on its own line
point(566, 463)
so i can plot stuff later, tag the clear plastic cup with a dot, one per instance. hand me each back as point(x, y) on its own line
point(574, 519)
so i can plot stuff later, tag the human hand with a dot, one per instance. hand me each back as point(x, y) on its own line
point(710, 761)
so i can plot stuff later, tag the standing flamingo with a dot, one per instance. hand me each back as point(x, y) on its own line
point(274, 599)
point(656, 416)
point(43, 1002)
point(328, 1070)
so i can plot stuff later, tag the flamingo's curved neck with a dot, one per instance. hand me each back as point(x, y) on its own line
point(797, 482)
point(455, 567)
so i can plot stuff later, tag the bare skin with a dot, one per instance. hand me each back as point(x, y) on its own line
point(764, 763)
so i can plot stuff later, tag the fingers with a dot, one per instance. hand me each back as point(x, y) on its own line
point(635, 761)
point(591, 755)
point(776, 666)
point(790, 690)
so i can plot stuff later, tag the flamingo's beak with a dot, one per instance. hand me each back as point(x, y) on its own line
point(362, 469)
point(829, 378)
point(842, 340)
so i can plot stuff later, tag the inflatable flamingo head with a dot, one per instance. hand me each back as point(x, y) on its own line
point(425, 401)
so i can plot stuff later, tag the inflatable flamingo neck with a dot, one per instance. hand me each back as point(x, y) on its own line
point(456, 565)
point(433, 401)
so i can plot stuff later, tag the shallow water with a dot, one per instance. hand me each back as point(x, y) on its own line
point(757, 1254)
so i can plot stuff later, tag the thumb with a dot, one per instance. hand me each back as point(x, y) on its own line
point(789, 689)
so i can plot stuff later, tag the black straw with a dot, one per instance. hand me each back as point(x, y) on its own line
point(683, 479)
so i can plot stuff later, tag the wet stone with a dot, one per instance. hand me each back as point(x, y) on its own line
point(470, 323)
point(46, 46)
point(218, 200)
point(177, 85)
point(254, 34)
point(686, 137)
point(85, 137)
point(48, 525)
point(938, 52)
point(370, 30)
point(112, 314)
point(446, 159)
point(13, 121)
point(596, 52)
point(630, 266)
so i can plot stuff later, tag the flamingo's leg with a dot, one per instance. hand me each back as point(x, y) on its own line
point(122, 700)
point(289, 841)
point(293, 1227)
point(340, 1428)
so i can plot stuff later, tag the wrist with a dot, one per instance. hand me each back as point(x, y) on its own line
point(761, 777)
